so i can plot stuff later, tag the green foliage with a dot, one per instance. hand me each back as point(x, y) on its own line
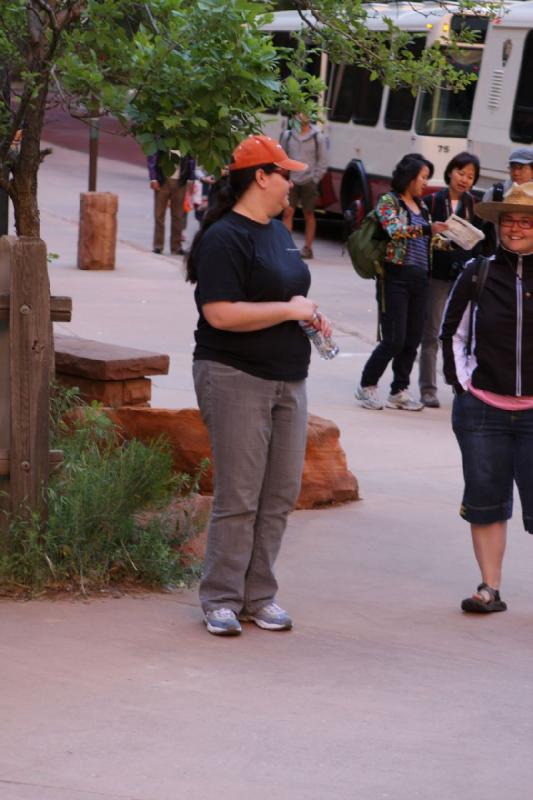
point(95, 536)
point(184, 75)
point(340, 28)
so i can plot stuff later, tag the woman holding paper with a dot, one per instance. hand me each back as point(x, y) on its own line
point(460, 175)
point(488, 359)
point(401, 292)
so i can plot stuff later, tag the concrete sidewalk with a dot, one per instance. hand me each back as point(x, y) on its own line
point(383, 689)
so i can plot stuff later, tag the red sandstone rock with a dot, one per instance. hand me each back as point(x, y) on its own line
point(326, 477)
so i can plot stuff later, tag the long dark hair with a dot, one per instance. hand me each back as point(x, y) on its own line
point(407, 169)
point(229, 189)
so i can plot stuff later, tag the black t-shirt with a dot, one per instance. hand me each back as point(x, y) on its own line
point(242, 260)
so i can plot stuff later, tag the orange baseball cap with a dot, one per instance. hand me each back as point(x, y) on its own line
point(256, 150)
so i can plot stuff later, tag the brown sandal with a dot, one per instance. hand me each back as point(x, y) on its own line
point(485, 601)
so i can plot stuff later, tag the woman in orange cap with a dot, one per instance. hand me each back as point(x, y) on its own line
point(250, 364)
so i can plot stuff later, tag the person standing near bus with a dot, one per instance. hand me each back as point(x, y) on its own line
point(520, 171)
point(461, 173)
point(304, 142)
point(402, 292)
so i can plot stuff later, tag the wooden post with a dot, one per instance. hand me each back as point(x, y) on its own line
point(97, 238)
point(5, 397)
point(31, 366)
point(26, 364)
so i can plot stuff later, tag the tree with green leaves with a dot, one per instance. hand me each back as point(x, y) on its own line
point(178, 74)
point(190, 75)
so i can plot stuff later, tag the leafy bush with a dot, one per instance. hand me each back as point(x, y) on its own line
point(94, 536)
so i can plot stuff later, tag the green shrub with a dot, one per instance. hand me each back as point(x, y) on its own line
point(93, 536)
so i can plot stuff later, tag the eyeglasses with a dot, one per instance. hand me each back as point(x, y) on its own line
point(524, 224)
point(514, 165)
point(283, 172)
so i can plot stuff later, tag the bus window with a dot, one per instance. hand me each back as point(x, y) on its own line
point(522, 119)
point(368, 96)
point(354, 96)
point(401, 102)
point(286, 39)
point(341, 92)
point(473, 24)
point(400, 110)
point(446, 113)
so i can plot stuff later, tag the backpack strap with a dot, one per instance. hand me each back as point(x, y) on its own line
point(479, 278)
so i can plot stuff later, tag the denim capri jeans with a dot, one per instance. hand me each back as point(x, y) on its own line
point(497, 449)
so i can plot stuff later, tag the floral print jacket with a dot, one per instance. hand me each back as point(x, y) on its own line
point(394, 217)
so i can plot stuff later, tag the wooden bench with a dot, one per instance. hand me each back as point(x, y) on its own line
point(114, 375)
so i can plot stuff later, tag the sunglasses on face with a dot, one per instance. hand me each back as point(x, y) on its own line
point(524, 224)
point(283, 172)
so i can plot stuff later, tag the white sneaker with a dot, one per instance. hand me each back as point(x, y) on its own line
point(403, 401)
point(368, 395)
point(222, 622)
point(271, 617)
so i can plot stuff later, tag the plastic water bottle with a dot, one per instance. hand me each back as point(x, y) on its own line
point(325, 345)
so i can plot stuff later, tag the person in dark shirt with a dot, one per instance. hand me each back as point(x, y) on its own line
point(487, 345)
point(250, 364)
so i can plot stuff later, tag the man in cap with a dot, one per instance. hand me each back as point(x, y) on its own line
point(520, 171)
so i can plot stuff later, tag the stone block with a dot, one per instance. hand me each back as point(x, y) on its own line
point(326, 477)
point(106, 362)
point(110, 393)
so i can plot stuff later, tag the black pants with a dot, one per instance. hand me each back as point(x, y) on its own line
point(405, 293)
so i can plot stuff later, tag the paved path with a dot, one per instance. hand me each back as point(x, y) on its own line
point(383, 689)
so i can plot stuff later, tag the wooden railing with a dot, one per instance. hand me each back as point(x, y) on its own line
point(26, 367)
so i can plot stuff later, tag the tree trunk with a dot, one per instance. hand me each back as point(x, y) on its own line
point(23, 189)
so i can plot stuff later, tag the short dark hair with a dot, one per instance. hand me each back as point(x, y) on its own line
point(407, 169)
point(459, 161)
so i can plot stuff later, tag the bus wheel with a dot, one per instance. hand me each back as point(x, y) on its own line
point(355, 194)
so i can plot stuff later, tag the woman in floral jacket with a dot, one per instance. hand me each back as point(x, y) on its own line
point(402, 289)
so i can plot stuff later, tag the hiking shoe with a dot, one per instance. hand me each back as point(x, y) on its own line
point(430, 400)
point(368, 395)
point(306, 252)
point(222, 622)
point(271, 617)
point(403, 401)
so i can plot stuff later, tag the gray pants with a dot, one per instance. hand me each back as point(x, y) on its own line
point(437, 296)
point(258, 431)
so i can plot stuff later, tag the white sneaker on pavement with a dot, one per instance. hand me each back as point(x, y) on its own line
point(368, 396)
point(403, 401)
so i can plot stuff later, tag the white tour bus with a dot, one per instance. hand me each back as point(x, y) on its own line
point(369, 127)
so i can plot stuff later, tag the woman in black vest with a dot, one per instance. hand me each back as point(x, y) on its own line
point(460, 175)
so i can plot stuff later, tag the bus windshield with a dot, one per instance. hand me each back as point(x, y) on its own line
point(447, 113)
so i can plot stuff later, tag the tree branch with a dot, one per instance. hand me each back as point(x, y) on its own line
point(47, 8)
